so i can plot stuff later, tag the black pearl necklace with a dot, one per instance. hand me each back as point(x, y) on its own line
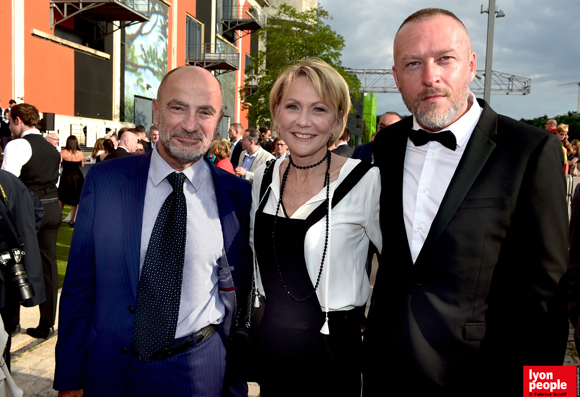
point(326, 203)
point(309, 166)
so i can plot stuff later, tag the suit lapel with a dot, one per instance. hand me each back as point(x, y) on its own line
point(389, 148)
point(133, 202)
point(477, 151)
point(228, 219)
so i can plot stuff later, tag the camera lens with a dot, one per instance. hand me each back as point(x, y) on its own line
point(20, 280)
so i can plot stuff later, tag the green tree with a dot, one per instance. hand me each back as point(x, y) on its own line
point(569, 118)
point(290, 37)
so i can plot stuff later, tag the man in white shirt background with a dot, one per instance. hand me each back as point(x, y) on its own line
point(474, 222)
point(36, 162)
point(253, 155)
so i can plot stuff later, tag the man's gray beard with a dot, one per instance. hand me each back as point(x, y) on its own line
point(184, 155)
point(430, 117)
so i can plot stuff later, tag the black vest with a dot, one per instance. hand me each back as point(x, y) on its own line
point(40, 173)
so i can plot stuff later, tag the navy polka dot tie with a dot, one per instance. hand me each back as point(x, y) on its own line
point(160, 282)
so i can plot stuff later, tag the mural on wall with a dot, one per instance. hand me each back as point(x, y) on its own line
point(145, 57)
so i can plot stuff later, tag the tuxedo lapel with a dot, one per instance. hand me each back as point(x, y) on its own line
point(133, 202)
point(477, 151)
point(389, 148)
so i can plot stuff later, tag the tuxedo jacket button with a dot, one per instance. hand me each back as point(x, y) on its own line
point(124, 350)
point(131, 310)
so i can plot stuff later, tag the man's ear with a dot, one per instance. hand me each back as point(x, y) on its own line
point(155, 112)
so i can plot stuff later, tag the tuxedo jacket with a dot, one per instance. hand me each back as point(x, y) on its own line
point(262, 156)
point(486, 294)
point(364, 152)
point(344, 151)
point(101, 284)
point(119, 152)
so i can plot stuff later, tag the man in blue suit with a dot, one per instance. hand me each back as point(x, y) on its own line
point(101, 316)
point(365, 151)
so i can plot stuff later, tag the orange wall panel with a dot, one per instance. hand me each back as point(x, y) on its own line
point(49, 67)
point(6, 58)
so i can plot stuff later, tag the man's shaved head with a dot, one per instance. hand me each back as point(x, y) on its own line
point(424, 15)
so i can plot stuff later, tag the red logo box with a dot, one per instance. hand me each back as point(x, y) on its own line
point(551, 381)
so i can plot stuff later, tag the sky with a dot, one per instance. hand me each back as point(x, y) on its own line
point(537, 39)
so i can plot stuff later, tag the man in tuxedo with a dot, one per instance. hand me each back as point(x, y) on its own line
point(127, 145)
point(235, 133)
point(253, 155)
point(474, 221)
point(365, 151)
point(342, 148)
point(151, 284)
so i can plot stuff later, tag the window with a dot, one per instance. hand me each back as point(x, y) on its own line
point(193, 38)
point(248, 64)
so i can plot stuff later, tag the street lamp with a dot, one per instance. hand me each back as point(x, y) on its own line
point(489, 50)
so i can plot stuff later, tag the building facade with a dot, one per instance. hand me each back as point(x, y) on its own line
point(94, 66)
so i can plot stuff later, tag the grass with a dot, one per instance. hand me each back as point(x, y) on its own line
point(63, 245)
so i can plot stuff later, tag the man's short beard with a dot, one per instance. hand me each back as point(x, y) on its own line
point(432, 118)
point(184, 154)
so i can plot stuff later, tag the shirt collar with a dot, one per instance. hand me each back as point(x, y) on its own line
point(464, 126)
point(30, 132)
point(253, 155)
point(159, 169)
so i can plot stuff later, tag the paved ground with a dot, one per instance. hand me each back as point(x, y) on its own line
point(33, 359)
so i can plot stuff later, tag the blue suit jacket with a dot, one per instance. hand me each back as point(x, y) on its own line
point(100, 288)
point(364, 152)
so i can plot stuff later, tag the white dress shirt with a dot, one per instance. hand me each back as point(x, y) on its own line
point(200, 304)
point(354, 222)
point(17, 153)
point(428, 172)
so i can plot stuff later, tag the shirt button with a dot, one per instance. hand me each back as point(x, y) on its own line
point(124, 350)
point(131, 310)
point(418, 229)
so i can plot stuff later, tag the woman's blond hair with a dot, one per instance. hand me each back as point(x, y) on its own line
point(327, 82)
point(220, 149)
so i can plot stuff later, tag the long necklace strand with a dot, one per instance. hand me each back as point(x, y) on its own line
point(326, 202)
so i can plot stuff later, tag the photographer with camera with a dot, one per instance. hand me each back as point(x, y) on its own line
point(21, 279)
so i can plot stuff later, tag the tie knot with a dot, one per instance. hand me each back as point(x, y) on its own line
point(176, 180)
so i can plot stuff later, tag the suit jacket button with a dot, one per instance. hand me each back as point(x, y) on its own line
point(131, 309)
point(124, 350)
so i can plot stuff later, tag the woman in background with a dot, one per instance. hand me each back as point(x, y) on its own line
point(109, 147)
point(221, 151)
point(98, 149)
point(72, 179)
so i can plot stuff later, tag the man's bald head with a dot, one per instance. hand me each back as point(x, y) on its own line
point(426, 14)
point(194, 72)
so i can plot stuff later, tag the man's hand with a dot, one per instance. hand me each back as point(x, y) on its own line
point(71, 393)
point(240, 171)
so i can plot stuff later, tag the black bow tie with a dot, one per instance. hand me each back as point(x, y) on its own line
point(421, 137)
